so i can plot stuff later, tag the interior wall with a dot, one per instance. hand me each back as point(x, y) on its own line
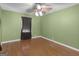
point(0, 23)
point(11, 25)
point(62, 26)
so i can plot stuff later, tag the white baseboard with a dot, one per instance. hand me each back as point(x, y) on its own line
point(46, 39)
point(70, 47)
point(16, 40)
point(36, 36)
point(10, 41)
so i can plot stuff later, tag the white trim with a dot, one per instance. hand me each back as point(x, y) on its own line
point(36, 36)
point(16, 40)
point(70, 47)
point(10, 41)
point(46, 39)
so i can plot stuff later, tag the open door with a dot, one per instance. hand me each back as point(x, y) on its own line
point(26, 28)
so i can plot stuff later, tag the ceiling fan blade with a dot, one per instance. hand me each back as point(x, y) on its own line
point(44, 6)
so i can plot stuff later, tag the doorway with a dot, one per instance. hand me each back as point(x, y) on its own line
point(26, 28)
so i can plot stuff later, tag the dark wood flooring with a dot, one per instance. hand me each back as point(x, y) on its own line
point(37, 47)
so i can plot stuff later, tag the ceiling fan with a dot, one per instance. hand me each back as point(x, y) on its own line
point(39, 9)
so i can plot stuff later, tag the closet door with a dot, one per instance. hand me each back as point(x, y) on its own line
point(26, 28)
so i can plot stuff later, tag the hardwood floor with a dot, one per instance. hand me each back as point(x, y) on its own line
point(37, 47)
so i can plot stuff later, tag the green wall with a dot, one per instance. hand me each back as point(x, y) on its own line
point(62, 26)
point(0, 24)
point(35, 26)
point(11, 25)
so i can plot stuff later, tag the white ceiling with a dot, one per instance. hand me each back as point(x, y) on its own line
point(23, 7)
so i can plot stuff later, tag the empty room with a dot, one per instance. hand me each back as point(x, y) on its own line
point(39, 29)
